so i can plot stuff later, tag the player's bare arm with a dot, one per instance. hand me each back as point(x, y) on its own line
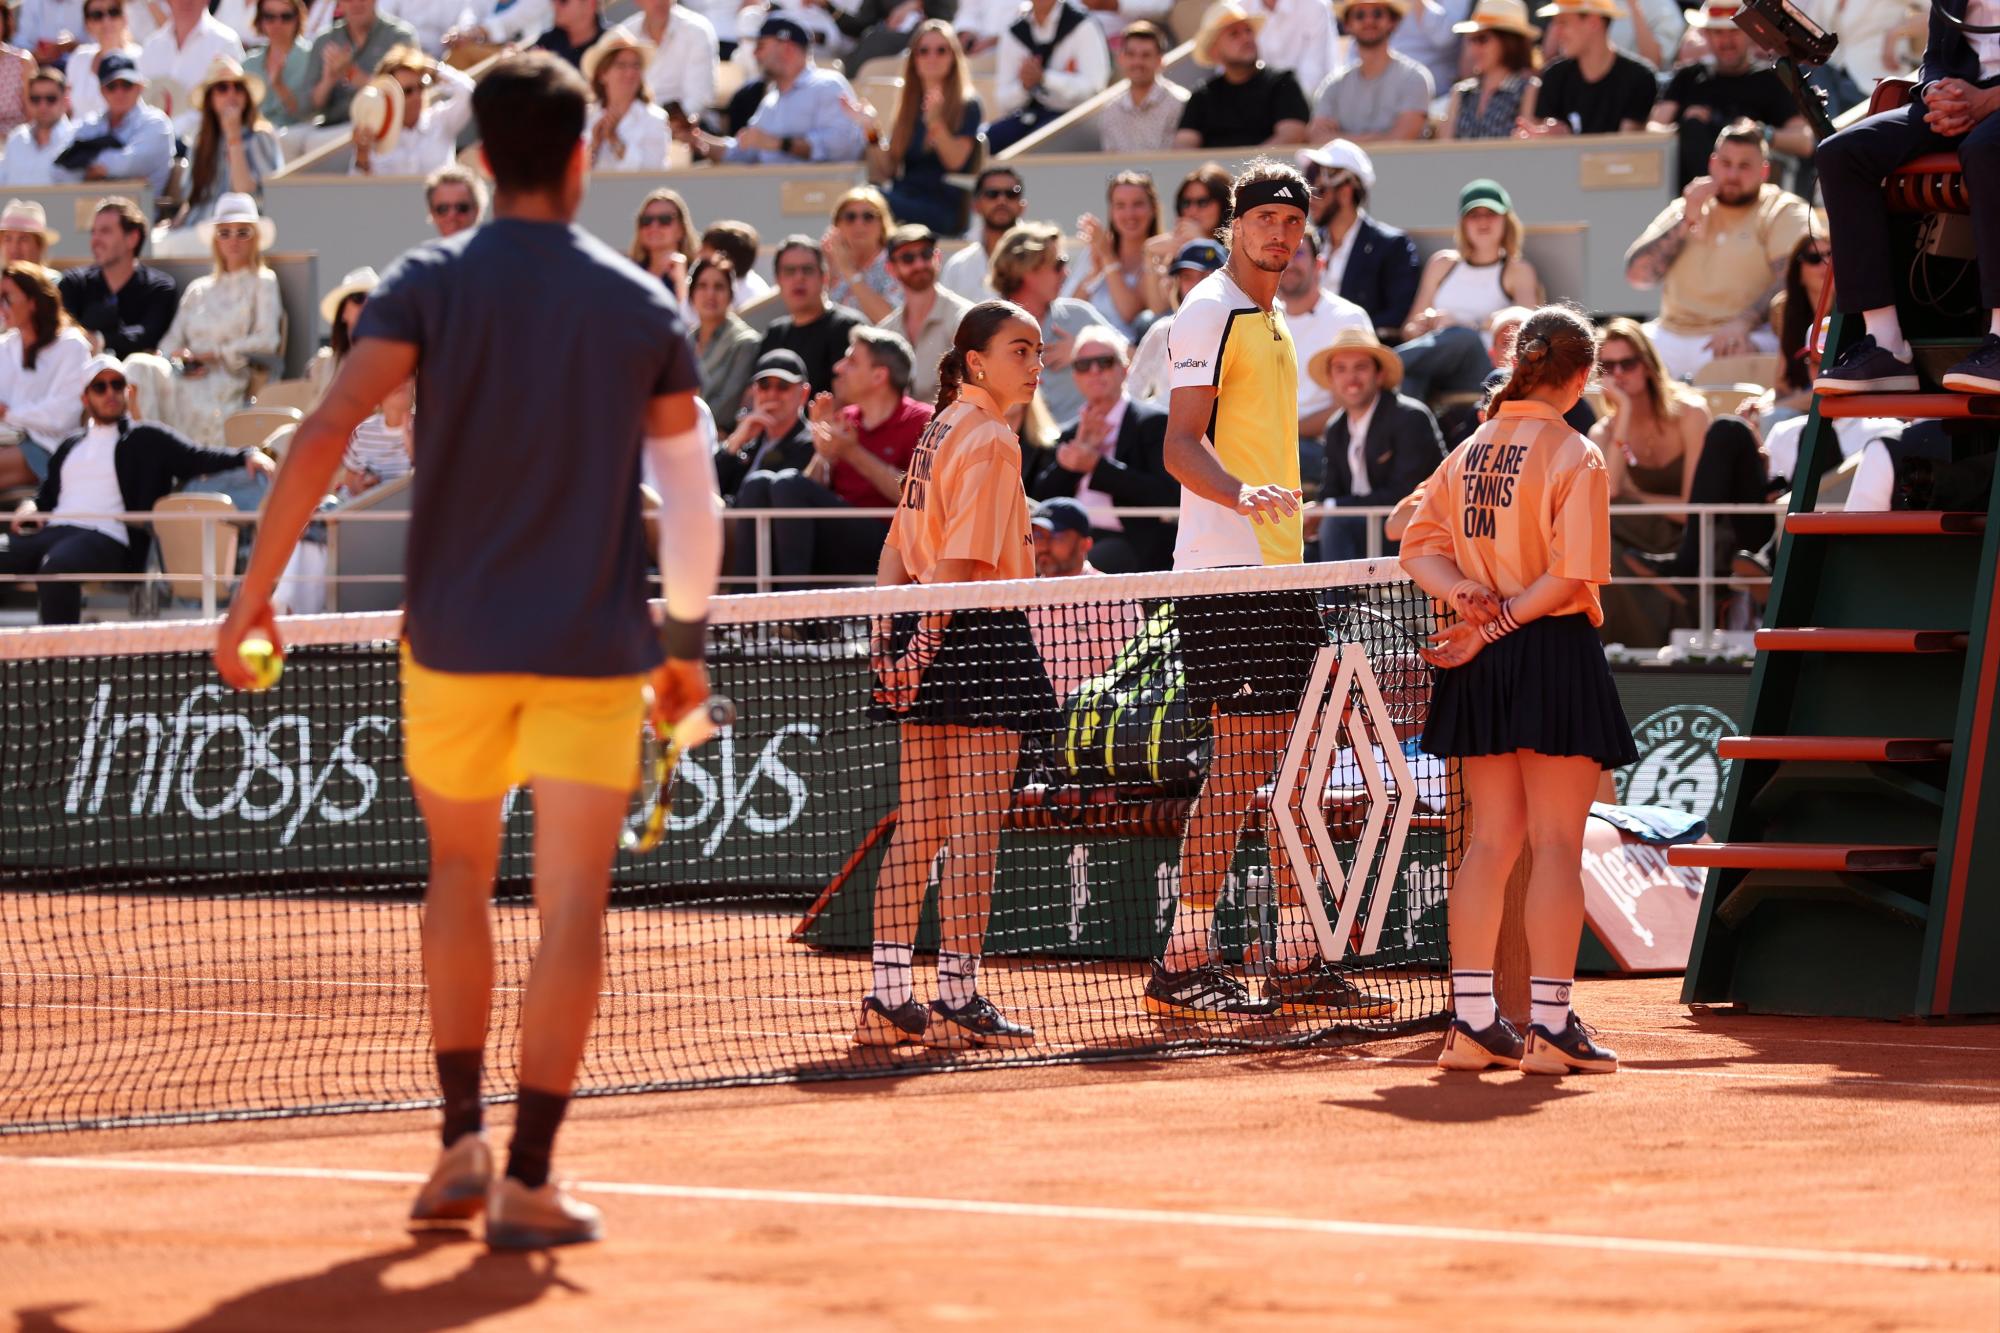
point(1196, 467)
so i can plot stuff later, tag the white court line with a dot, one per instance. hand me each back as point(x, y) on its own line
point(1180, 1219)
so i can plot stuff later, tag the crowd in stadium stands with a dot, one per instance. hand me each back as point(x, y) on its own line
point(821, 408)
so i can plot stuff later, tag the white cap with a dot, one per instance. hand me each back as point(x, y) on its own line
point(100, 363)
point(1341, 155)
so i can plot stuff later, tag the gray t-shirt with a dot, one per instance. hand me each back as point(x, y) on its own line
point(1370, 106)
point(539, 348)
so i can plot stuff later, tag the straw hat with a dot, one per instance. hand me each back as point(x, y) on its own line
point(27, 215)
point(1604, 9)
point(234, 207)
point(614, 41)
point(1498, 16)
point(1356, 340)
point(1225, 15)
point(357, 283)
point(1716, 14)
point(224, 70)
point(377, 113)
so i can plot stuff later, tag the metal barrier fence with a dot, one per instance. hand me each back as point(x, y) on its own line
point(215, 582)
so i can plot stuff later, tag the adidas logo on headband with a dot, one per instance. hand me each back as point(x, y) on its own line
point(1256, 194)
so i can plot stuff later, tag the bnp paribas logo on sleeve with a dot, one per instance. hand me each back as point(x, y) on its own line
point(1678, 764)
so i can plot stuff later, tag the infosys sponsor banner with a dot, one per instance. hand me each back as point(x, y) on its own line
point(137, 765)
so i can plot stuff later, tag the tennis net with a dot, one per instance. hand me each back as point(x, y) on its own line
point(209, 901)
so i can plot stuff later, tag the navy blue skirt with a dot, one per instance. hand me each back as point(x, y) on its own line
point(1546, 687)
point(987, 673)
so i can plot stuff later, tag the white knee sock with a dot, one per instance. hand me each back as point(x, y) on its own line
point(1887, 331)
point(1472, 999)
point(1549, 1002)
point(892, 973)
point(1994, 328)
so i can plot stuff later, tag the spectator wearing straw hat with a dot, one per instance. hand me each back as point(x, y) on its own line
point(124, 304)
point(32, 149)
point(1500, 49)
point(1380, 446)
point(685, 50)
point(627, 132)
point(1244, 104)
point(340, 311)
point(1595, 88)
point(428, 104)
point(229, 321)
point(800, 117)
point(1368, 261)
point(25, 235)
point(1051, 59)
point(234, 152)
point(1316, 317)
point(1383, 95)
point(346, 56)
point(1728, 85)
point(115, 465)
point(178, 54)
point(130, 141)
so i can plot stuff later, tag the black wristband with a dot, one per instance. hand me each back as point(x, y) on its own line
point(684, 640)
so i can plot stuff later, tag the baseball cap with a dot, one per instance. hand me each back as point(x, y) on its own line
point(784, 29)
point(1199, 257)
point(1062, 514)
point(780, 365)
point(119, 69)
point(1483, 193)
point(1341, 155)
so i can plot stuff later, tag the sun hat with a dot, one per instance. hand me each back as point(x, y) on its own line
point(358, 282)
point(613, 42)
point(233, 207)
point(27, 215)
point(224, 70)
point(1498, 16)
point(377, 113)
point(1356, 340)
point(1219, 17)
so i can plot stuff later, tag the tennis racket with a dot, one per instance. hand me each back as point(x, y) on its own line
point(659, 756)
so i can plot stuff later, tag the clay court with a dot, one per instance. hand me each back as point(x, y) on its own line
point(1740, 1172)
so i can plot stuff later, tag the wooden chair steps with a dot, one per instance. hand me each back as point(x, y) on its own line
point(1912, 406)
point(1822, 640)
point(1822, 858)
point(1837, 749)
point(1886, 523)
point(1817, 892)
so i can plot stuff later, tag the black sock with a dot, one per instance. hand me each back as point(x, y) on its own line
point(537, 1116)
point(458, 1079)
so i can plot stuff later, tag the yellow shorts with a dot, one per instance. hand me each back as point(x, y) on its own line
point(467, 736)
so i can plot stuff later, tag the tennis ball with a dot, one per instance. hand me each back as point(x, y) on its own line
point(262, 659)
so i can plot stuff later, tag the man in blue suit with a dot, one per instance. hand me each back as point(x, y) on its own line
point(1954, 107)
point(1370, 264)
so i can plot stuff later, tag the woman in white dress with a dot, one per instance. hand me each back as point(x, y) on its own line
point(627, 132)
point(229, 321)
point(42, 356)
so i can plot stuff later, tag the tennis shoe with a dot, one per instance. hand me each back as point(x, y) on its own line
point(1318, 990)
point(1470, 1049)
point(1978, 373)
point(1205, 992)
point(457, 1188)
point(1574, 1050)
point(974, 1023)
point(520, 1218)
point(883, 1026)
point(1867, 367)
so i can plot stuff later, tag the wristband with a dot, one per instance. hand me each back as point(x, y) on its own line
point(684, 640)
point(1502, 625)
point(923, 646)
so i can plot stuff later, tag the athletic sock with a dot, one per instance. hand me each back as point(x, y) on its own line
point(1994, 328)
point(1549, 1002)
point(1887, 331)
point(958, 978)
point(537, 1116)
point(458, 1080)
point(1472, 999)
point(892, 984)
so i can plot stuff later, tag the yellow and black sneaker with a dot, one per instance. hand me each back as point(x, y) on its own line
point(1574, 1050)
point(1470, 1050)
point(883, 1026)
point(1318, 990)
point(1204, 993)
point(974, 1023)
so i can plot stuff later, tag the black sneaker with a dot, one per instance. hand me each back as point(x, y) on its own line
point(1572, 1050)
point(1468, 1049)
point(1866, 368)
point(882, 1026)
point(1978, 373)
point(974, 1023)
point(1203, 992)
point(1319, 991)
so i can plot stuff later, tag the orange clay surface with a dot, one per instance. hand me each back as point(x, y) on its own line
point(1741, 1172)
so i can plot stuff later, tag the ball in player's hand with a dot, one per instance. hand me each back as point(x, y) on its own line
point(262, 660)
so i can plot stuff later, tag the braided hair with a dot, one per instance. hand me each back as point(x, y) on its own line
point(1554, 346)
point(975, 331)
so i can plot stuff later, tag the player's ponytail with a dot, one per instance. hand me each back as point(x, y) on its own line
point(1554, 346)
point(975, 331)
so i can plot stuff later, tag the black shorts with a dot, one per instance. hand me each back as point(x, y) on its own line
point(987, 673)
point(1249, 653)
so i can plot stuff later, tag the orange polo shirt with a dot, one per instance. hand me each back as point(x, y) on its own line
point(962, 497)
point(1524, 497)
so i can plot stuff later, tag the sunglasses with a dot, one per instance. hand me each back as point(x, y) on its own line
point(107, 386)
point(1087, 364)
point(914, 255)
point(659, 219)
point(462, 208)
point(1814, 257)
point(277, 16)
point(857, 215)
point(99, 15)
point(44, 99)
point(1188, 202)
point(1616, 365)
point(1009, 192)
